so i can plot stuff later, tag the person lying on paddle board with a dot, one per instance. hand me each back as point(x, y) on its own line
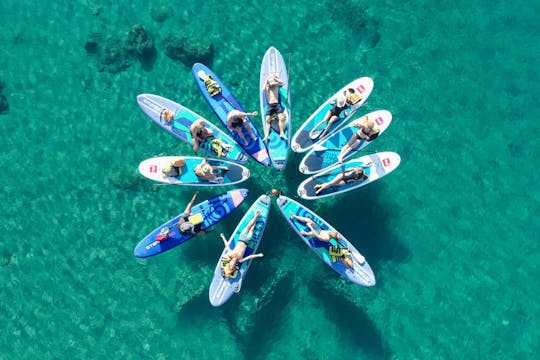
point(342, 103)
point(338, 253)
point(173, 170)
point(191, 224)
point(229, 262)
point(236, 120)
point(366, 131)
point(348, 176)
point(199, 133)
point(208, 172)
point(271, 90)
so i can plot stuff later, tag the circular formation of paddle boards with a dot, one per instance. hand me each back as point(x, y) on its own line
point(331, 137)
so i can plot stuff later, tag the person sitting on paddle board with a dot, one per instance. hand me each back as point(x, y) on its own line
point(349, 176)
point(366, 131)
point(236, 120)
point(230, 262)
point(174, 169)
point(342, 103)
point(325, 235)
point(199, 133)
point(271, 90)
point(190, 224)
point(206, 171)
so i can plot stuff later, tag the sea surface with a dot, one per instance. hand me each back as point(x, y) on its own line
point(452, 235)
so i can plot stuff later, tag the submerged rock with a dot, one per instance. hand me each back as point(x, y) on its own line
point(140, 44)
point(187, 51)
point(115, 56)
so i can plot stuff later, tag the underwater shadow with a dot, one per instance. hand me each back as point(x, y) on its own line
point(349, 319)
point(266, 325)
point(363, 218)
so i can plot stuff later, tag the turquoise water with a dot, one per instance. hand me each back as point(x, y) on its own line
point(452, 235)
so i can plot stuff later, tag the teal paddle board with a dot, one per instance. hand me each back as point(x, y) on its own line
point(278, 147)
point(360, 273)
point(325, 153)
point(221, 289)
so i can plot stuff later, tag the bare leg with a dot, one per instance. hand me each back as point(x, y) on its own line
point(267, 128)
point(330, 122)
point(336, 181)
point(248, 128)
point(241, 135)
point(326, 117)
point(252, 222)
point(282, 123)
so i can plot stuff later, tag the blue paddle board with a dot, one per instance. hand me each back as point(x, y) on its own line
point(222, 104)
point(221, 289)
point(212, 211)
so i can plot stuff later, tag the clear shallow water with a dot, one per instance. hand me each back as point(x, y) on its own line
point(451, 235)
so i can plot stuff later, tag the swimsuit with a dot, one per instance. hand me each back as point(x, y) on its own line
point(274, 108)
point(351, 176)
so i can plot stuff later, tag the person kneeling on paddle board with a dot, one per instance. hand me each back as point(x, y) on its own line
point(339, 253)
point(199, 133)
point(366, 131)
point(175, 169)
point(348, 176)
point(271, 90)
point(236, 120)
point(206, 171)
point(191, 224)
point(230, 261)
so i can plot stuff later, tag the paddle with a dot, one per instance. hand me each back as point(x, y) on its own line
point(319, 147)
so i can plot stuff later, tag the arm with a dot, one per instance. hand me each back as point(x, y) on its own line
point(190, 204)
point(252, 256)
point(225, 241)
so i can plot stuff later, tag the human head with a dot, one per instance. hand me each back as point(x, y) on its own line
point(168, 115)
point(370, 124)
point(179, 162)
point(228, 266)
point(341, 100)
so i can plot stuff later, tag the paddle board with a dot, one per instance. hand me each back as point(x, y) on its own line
point(154, 105)
point(278, 147)
point(221, 289)
point(375, 165)
point(153, 170)
point(212, 211)
point(325, 153)
point(222, 104)
point(360, 273)
point(302, 141)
